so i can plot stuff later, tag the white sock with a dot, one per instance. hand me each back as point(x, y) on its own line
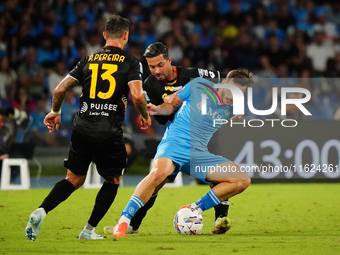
point(124, 219)
point(42, 211)
point(89, 228)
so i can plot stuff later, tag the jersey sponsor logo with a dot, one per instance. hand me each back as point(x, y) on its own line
point(172, 88)
point(110, 107)
point(209, 112)
point(107, 57)
point(200, 72)
point(99, 109)
point(84, 107)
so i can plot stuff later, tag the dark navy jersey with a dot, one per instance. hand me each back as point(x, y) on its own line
point(155, 90)
point(104, 77)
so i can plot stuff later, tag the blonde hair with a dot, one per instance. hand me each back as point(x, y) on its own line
point(241, 76)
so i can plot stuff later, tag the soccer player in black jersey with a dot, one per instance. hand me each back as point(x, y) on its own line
point(106, 77)
point(164, 80)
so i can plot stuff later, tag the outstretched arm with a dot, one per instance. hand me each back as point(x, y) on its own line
point(139, 101)
point(162, 109)
point(53, 118)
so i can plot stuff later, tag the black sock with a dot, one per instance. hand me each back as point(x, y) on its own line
point(221, 210)
point(60, 192)
point(104, 200)
point(140, 214)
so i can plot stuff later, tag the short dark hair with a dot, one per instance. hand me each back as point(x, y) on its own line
point(155, 49)
point(241, 76)
point(116, 26)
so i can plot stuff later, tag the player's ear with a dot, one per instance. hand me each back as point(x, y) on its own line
point(126, 35)
point(104, 35)
point(169, 60)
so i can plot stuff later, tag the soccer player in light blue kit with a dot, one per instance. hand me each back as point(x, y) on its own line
point(184, 146)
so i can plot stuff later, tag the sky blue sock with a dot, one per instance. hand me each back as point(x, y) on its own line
point(208, 201)
point(132, 207)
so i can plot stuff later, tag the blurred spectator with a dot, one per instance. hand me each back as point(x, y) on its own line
point(297, 54)
point(143, 34)
point(245, 53)
point(8, 80)
point(31, 74)
point(272, 55)
point(161, 23)
point(194, 51)
point(235, 16)
point(67, 52)
point(319, 52)
point(14, 52)
point(56, 75)
point(283, 15)
point(22, 101)
point(333, 12)
point(260, 20)
point(221, 55)
point(135, 13)
point(112, 7)
point(93, 43)
point(81, 11)
point(205, 33)
point(175, 49)
point(46, 53)
point(272, 28)
point(40, 135)
point(6, 136)
point(12, 13)
point(322, 24)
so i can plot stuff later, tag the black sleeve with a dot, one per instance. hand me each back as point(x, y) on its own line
point(77, 72)
point(205, 73)
point(135, 71)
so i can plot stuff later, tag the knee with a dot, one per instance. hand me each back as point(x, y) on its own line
point(77, 181)
point(242, 184)
point(157, 176)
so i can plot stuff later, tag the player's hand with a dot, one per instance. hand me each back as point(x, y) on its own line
point(145, 123)
point(152, 109)
point(236, 117)
point(52, 120)
point(173, 99)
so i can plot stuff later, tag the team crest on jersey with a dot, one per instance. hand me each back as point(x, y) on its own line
point(212, 93)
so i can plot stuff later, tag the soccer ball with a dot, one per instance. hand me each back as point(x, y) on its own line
point(188, 222)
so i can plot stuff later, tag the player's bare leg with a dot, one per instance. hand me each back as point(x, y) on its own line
point(137, 219)
point(162, 168)
point(228, 183)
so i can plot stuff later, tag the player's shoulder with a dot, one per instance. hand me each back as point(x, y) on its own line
point(187, 71)
point(200, 80)
point(150, 81)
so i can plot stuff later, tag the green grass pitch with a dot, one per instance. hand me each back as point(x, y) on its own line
point(266, 219)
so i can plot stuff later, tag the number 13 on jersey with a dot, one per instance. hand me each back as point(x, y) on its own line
point(111, 68)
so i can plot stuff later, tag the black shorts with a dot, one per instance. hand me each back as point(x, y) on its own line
point(109, 156)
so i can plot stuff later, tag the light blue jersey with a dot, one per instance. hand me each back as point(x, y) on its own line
point(186, 138)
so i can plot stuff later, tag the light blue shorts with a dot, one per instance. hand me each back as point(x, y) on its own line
point(191, 161)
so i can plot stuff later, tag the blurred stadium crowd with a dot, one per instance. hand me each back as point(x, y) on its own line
point(282, 41)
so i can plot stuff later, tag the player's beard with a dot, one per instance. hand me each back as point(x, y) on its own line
point(160, 77)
